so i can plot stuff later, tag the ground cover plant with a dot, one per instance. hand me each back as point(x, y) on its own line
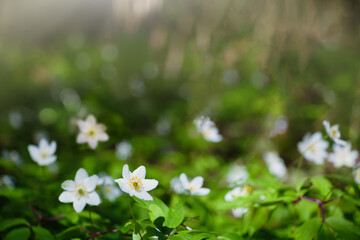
point(223, 133)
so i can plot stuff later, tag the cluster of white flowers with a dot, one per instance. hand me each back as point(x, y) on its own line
point(108, 188)
point(314, 148)
point(237, 177)
point(182, 185)
point(208, 129)
point(275, 164)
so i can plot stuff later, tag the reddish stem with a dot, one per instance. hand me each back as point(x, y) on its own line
point(319, 202)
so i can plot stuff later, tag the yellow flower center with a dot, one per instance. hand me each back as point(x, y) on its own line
point(44, 154)
point(80, 190)
point(334, 132)
point(312, 148)
point(135, 183)
point(107, 189)
point(91, 131)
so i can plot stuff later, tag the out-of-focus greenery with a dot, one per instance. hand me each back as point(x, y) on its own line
point(126, 83)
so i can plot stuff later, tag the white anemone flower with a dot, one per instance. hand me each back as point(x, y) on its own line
point(357, 175)
point(313, 148)
point(123, 150)
point(239, 212)
point(237, 175)
point(177, 186)
point(108, 188)
point(194, 187)
point(333, 132)
point(81, 191)
point(343, 156)
point(208, 129)
point(135, 184)
point(44, 153)
point(275, 164)
point(91, 132)
point(237, 192)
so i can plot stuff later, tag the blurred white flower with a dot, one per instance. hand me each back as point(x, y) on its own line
point(343, 156)
point(81, 191)
point(193, 187)
point(15, 119)
point(208, 129)
point(239, 212)
point(237, 175)
point(313, 148)
point(44, 153)
point(123, 150)
point(280, 126)
point(135, 184)
point(275, 164)
point(91, 132)
point(12, 156)
point(237, 192)
point(177, 186)
point(108, 188)
point(333, 132)
point(356, 173)
point(7, 181)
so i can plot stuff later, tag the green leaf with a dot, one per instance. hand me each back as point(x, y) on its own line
point(42, 233)
point(322, 184)
point(175, 216)
point(70, 233)
point(308, 230)
point(300, 183)
point(13, 222)
point(344, 228)
point(18, 233)
point(325, 233)
point(230, 236)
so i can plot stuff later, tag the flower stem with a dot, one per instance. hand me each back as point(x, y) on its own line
point(91, 220)
point(133, 216)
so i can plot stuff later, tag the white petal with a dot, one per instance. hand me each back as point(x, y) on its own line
point(81, 138)
point(43, 143)
point(326, 124)
point(340, 141)
point(68, 185)
point(66, 197)
point(202, 192)
point(82, 125)
point(143, 195)
point(34, 152)
point(93, 143)
point(79, 204)
point(140, 172)
point(90, 183)
point(126, 172)
point(93, 199)
point(91, 119)
point(102, 137)
point(81, 175)
point(123, 185)
point(183, 179)
point(197, 182)
point(149, 184)
point(47, 161)
point(52, 147)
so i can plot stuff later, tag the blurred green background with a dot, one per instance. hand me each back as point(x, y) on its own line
point(147, 68)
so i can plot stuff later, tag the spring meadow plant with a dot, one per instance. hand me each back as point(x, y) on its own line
point(44, 154)
point(180, 120)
